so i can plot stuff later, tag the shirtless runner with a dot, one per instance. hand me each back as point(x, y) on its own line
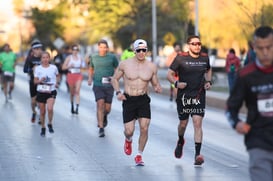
point(136, 72)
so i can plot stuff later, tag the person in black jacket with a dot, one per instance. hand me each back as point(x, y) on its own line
point(33, 59)
point(254, 87)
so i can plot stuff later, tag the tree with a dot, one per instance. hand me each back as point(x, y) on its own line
point(265, 16)
point(47, 27)
point(86, 21)
point(172, 16)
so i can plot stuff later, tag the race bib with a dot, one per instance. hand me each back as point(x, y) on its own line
point(265, 105)
point(75, 70)
point(57, 60)
point(44, 88)
point(106, 80)
point(6, 73)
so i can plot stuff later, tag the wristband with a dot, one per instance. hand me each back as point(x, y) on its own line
point(118, 92)
point(175, 84)
point(208, 81)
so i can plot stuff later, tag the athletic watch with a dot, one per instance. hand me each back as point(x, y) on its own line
point(118, 92)
point(208, 81)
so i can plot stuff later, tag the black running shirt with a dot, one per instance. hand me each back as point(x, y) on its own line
point(191, 70)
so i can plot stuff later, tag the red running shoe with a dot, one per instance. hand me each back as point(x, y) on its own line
point(128, 147)
point(138, 160)
point(199, 160)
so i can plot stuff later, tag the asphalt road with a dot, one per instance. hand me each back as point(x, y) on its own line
point(76, 153)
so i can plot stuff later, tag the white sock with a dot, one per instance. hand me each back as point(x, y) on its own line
point(139, 153)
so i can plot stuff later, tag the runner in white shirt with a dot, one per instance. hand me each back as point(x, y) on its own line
point(46, 76)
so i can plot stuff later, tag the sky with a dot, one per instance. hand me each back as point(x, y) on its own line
point(6, 14)
point(6, 7)
point(9, 29)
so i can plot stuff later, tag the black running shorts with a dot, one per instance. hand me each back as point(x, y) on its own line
point(187, 106)
point(42, 97)
point(135, 107)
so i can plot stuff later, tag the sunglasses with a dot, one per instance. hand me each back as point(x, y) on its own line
point(75, 49)
point(141, 49)
point(196, 43)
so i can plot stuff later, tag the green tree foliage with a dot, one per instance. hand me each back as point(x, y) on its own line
point(266, 15)
point(47, 27)
point(172, 16)
point(224, 24)
point(86, 21)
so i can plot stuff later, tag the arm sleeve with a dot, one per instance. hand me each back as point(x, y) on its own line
point(174, 65)
point(115, 61)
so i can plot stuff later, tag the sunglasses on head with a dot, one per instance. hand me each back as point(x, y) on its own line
point(141, 49)
point(195, 43)
point(76, 49)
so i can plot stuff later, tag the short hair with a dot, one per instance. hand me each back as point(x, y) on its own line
point(45, 53)
point(75, 46)
point(176, 44)
point(191, 37)
point(102, 41)
point(232, 51)
point(263, 32)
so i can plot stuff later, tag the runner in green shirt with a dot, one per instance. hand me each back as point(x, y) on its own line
point(102, 68)
point(8, 61)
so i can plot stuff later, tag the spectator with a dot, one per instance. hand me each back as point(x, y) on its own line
point(232, 67)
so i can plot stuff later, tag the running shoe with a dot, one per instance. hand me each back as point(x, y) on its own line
point(72, 110)
point(128, 147)
point(101, 132)
point(76, 111)
point(105, 121)
point(178, 152)
point(138, 160)
point(33, 118)
point(199, 160)
point(43, 132)
point(50, 128)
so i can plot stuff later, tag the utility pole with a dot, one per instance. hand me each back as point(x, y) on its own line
point(196, 29)
point(154, 30)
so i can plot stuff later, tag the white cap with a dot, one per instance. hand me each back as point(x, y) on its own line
point(139, 43)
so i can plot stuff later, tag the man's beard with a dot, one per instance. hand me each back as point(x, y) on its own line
point(195, 53)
